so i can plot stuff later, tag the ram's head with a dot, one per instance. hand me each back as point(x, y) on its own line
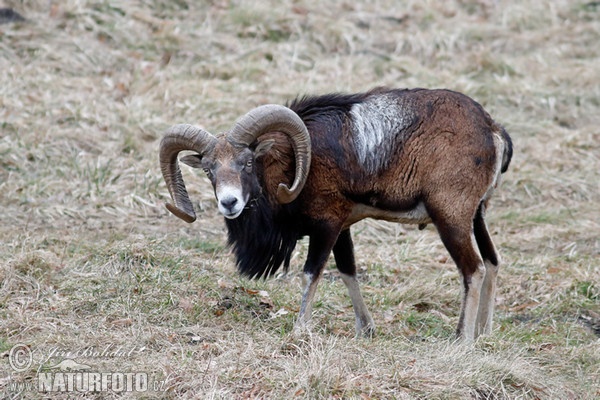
point(228, 159)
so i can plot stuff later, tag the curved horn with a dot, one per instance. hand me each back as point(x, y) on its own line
point(270, 118)
point(178, 138)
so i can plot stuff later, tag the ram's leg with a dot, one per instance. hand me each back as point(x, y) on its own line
point(460, 243)
point(319, 248)
point(310, 282)
point(492, 264)
point(344, 259)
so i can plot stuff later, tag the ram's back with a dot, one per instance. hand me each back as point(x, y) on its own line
point(389, 153)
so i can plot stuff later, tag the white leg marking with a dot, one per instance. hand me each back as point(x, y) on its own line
point(487, 300)
point(471, 304)
point(365, 326)
point(308, 294)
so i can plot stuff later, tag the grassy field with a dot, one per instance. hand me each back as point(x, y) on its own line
point(91, 262)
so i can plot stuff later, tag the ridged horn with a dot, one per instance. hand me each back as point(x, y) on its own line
point(277, 118)
point(176, 139)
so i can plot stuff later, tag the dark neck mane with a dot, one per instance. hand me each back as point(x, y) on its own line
point(262, 238)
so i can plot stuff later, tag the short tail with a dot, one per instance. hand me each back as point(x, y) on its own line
point(508, 151)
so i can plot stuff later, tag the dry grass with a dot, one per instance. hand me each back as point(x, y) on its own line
point(89, 257)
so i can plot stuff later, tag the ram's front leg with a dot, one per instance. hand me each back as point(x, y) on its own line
point(310, 283)
point(344, 259)
point(320, 245)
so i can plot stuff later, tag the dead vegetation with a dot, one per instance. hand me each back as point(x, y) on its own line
point(90, 257)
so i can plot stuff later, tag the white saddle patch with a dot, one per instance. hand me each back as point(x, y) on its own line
point(378, 122)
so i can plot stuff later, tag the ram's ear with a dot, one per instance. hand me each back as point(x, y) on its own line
point(263, 147)
point(194, 160)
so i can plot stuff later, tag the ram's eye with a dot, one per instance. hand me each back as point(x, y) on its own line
point(207, 171)
point(249, 164)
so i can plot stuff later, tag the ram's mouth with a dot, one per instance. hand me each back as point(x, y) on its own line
point(233, 215)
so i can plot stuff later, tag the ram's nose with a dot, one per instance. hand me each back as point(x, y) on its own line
point(229, 202)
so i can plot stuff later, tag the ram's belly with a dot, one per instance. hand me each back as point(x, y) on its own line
point(416, 215)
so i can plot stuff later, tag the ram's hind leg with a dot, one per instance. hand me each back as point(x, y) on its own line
point(492, 264)
point(460, 242)
point(343, 252)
